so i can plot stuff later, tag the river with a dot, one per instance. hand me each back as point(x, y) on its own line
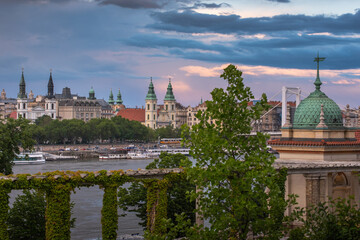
point(88, 201)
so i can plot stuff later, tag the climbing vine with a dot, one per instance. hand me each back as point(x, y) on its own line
point(156, 205)
point(58, 186)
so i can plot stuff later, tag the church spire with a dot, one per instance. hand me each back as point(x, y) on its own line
point(22, 86)
point(151, 92)
point(50, 86)
point(169, 93)
point(111, 98)
point(119, 100)
point(317, 82)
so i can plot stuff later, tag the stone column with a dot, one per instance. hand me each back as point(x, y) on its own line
point(156, 205)
point(199, 219)
point(58, 212)
point(4, 213)
point(109, 213)
point(315, 188)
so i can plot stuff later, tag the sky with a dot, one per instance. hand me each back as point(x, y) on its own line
point(120, 44)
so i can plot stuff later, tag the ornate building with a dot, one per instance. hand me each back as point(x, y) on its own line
point(31, 108)
point(321, 154)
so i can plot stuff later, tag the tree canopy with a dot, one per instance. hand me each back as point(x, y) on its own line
point(14, 135)
point(239, 191)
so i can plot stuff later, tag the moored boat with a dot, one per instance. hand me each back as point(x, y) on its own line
point(30, 158)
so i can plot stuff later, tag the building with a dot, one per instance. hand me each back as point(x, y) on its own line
point(32, 108)
point(321, 154)
point(7, 105)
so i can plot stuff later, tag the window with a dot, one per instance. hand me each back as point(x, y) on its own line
point(91, 115)
point(148, 106)
point(154, 107)
point(172, 107)
point(52, 115)
point(189, 114)
point(47, 107)
point(148, 125)
point(148, 117)
point(154, 126)
point(154, 117)
point(24, 106)
point(52, 106)
point(166, 107)
point(172, 117)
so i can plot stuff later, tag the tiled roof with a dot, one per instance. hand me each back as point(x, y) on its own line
point(13, 115)
point(313, 143)
point(133, 114)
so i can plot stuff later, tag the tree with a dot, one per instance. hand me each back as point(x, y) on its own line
point(134, 199)
point(239, 191)
point(27, 216)
point(13, 135)
point(333, 220)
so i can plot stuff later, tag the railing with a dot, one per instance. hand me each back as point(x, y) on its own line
point(58, 186)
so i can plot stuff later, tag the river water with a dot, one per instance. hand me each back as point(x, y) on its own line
point(88, 201)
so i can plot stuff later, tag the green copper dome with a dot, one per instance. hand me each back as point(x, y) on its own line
point(169, 93)
point(119, 100)
point(151, 92)
point(307, 114)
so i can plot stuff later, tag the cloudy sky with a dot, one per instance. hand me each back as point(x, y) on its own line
point(120, 44)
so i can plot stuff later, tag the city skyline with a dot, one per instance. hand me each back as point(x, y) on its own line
point(121, 44)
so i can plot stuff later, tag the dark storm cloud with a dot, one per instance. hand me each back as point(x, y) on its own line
point(193, 22)
point(135, 4)
point(33, 1)
point(280, 1)
point(210, 5)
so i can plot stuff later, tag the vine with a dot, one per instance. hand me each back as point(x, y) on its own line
point(156, 205)
point(58, 186)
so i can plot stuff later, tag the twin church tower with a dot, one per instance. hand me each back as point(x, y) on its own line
point(160, 115)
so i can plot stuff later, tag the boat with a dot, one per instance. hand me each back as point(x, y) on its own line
point(30, 158)
point(157, 151)
point(113, 156)
point(138, 155)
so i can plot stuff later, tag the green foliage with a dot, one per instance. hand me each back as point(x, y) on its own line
point(240, 191)
point(13, 135)
point(334, 220)
point(135, 199)
point(27, 216)
point(4, 209)
point(109, 216)
point(46, 130)
point(168, 132)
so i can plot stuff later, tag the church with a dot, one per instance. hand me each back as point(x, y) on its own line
point(321, 154)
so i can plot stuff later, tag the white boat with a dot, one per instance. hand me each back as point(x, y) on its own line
point(138, 155)
point(30, 158)
point(156, 152)
point(113, 156)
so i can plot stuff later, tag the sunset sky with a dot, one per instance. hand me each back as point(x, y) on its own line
point(122, 43)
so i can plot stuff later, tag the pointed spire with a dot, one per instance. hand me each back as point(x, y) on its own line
point(22, 86)
point(31, 95)
point(322, 119)
point(201, 101)
point(92, 94)
point(317, 82)
point(3, 94)
point(151, 92)
point(119, 100)
point(169, 93)
point(111, 98)
point(50, 86)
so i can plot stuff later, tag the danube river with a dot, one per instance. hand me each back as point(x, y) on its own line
point(88, 201)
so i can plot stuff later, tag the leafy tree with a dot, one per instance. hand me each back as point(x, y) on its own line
point(240, 194)
point(43, 121)
point(168, 132)
point(27, 216)
point(333, 220)
point(133, 199)
point(13, 135)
